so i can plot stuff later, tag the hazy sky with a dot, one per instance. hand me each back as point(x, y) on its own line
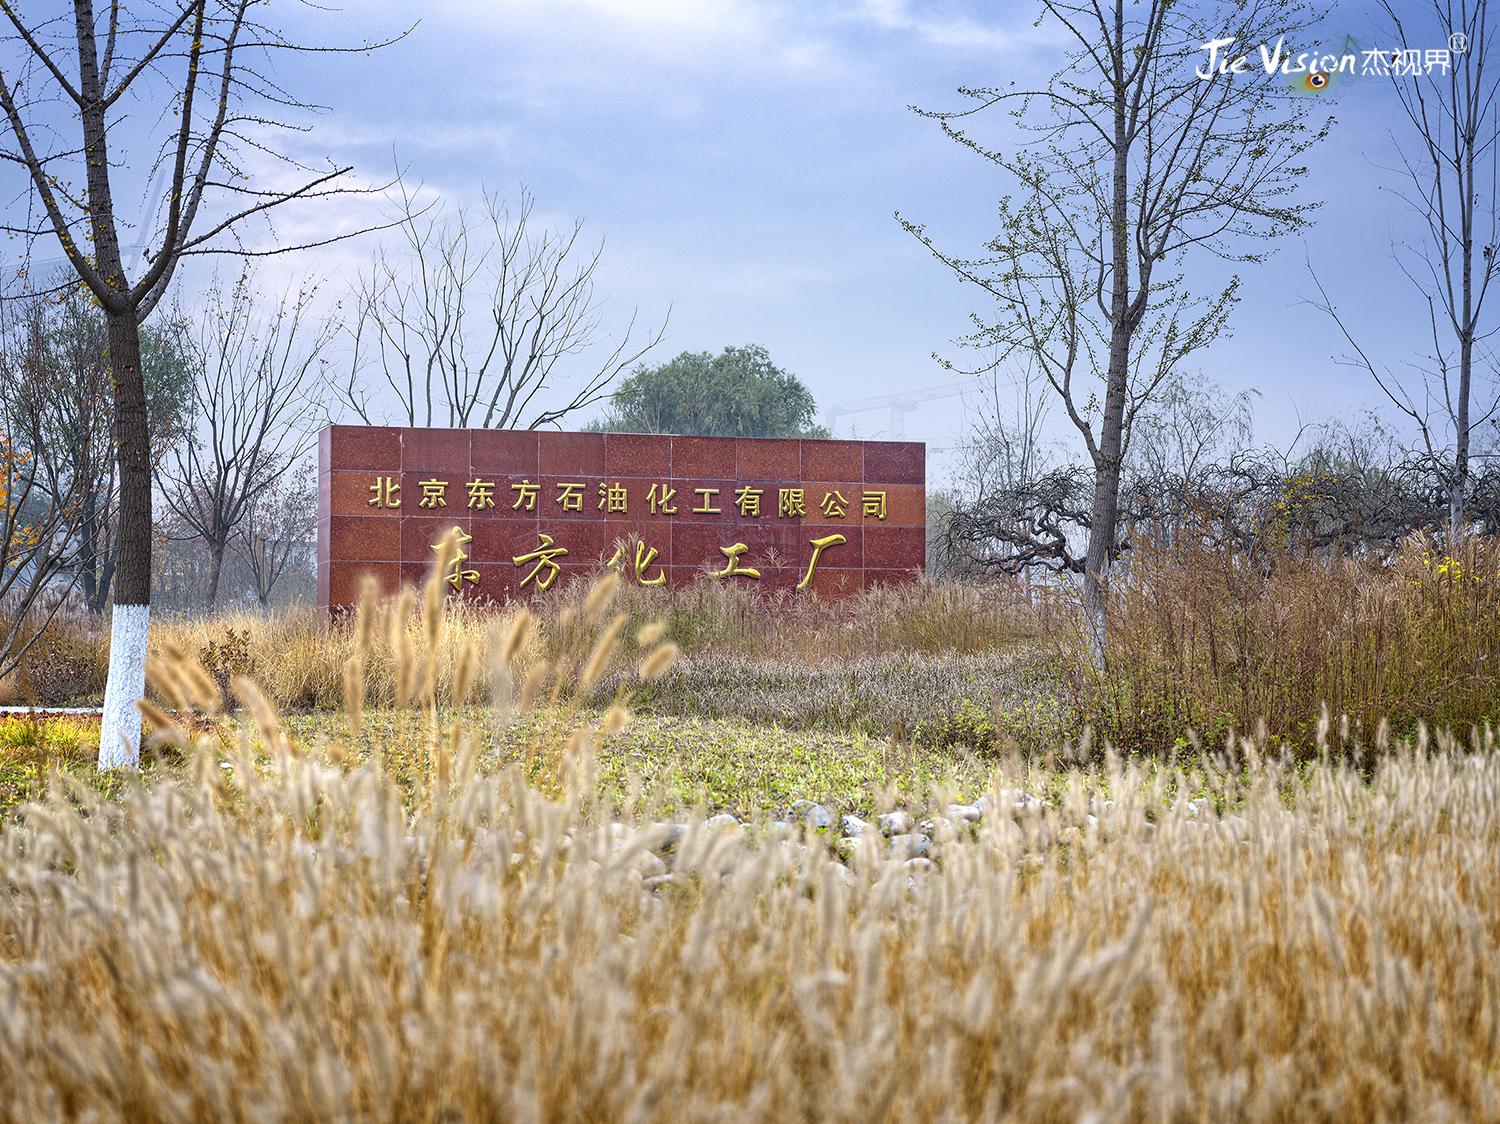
point(743, 159)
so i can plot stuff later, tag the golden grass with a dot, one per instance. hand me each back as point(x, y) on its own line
point(1208, 639)
point(274, 935)
point(299, 658)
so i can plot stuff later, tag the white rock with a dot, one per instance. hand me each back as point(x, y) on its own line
point(921, 864)
point(853, 826)
point(647, 864)
point(723, 819)
point(965, 813)
point(1012, 800)
point(670, 835)
point(895, 823)
point(911, 845)
point(813, 815)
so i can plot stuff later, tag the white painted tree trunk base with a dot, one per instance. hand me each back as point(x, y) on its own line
point(120, 726)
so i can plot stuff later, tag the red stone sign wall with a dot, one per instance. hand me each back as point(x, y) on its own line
point(535, 510)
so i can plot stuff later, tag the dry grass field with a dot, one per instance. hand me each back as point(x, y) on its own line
point(282, 938)
point(477, 886)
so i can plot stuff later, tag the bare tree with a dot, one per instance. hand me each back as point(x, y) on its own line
point(83, 451)
point(206, 65)
point(73, 400)
point(1335, 488)
point(1019, 509)
point(1452, 172)
point(252, 410)
point(1006, 445)
point(1136, 164)
point(477, 314)
point(1008, 511)
point(40, 508)
point(278, 529)
point(1191, 424)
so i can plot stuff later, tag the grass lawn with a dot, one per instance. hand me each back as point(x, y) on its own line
point(665, 762)
point(658, 765)
point(673, 762)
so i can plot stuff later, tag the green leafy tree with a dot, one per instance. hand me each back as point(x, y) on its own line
point(737, 393)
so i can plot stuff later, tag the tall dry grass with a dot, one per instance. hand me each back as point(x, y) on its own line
point(298, 656)
point(1203, 638)
point(271, 936)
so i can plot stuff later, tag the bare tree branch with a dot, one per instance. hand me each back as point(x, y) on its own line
point(480, 319)
point(254, 403)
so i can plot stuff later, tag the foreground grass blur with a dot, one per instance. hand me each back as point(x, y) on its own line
point(343, 923)
point(284, 938)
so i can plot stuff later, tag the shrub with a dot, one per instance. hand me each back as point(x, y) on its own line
point(65, 665)
point(227, 657)
point(1209, 639)
point(966, 724)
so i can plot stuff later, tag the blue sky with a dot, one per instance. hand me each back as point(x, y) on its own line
point(743, 159)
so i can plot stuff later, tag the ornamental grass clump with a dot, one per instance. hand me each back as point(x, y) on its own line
point(273, 932)
point(299, 657)
point(1209, 638)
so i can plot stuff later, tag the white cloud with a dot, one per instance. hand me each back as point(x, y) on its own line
point(942, 30)
point(369, 136)
point(710, 32)
point(695, 20)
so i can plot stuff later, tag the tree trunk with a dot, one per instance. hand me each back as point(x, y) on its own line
point(1104, 512)
point(1458, 492)
point(216, 547)
point(1469, 145)
point(90, 551)
point(120, 730)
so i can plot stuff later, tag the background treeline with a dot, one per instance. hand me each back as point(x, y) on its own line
point(505, 332)
point(232, 398)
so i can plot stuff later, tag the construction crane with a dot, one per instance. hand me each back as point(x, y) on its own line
point(899, 404)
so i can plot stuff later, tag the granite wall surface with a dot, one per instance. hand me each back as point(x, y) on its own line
point(536, 510)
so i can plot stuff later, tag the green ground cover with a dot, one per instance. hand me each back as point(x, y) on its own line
point(669, 762)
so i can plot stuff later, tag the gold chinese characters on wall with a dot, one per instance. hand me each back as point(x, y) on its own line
point(614, 499)
point(539, 567)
